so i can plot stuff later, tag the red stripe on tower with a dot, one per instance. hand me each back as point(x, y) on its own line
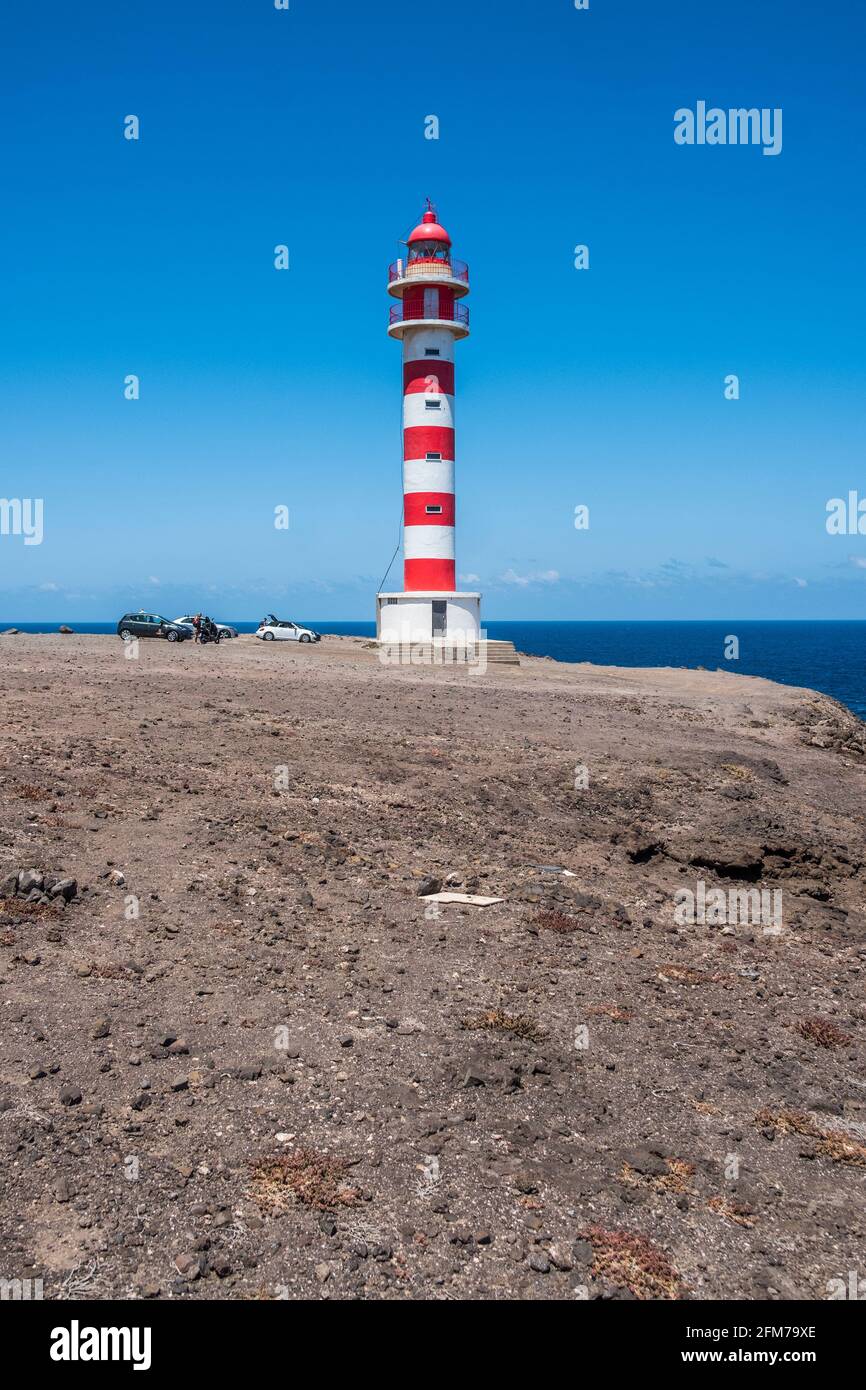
point(429, 377)
point(421, 440)
point(428, 509)
point(420, 576)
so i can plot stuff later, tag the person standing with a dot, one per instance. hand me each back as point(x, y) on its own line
point(196, 622)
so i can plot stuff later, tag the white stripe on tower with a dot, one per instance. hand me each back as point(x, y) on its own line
point(423, 475)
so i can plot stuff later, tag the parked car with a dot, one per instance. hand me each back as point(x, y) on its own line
point(143, 624)
point(223, 628)
point(278, 631)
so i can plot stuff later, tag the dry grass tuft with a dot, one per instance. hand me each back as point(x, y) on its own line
point(683, 975)
point(834, 1144)
point(225, 928)
point(110, 970)
point(611, 1011)
point(788, 1122)
point(705, 1107)
point(631, 1262)
point(823, 1032)
point(497, 1021)
point(675, 1180)
point(19, 910)
point(316, 1180)
point(29, 792)
point(558, 922)
point(732, 1211)
point(739, 773)
point(529, 1203)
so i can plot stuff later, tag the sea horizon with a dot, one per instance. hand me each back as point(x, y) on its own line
point(101, 624)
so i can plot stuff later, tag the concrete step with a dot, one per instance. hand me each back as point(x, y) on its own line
point(493, 653)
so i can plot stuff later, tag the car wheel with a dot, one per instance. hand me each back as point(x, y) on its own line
point(171, 636)
point(304, 637)
point(127, 635)
point(268, 636)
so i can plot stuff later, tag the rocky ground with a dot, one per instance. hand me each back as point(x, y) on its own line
point(242, 1057)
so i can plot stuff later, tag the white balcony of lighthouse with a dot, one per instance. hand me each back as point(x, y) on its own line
point(428, 268)
point(429, 311)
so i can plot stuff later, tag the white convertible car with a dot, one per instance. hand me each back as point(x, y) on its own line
point(278, 631)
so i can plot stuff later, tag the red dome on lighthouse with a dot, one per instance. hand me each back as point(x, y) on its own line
point(429, 229)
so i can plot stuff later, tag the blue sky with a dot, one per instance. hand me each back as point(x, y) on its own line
point(602, 387)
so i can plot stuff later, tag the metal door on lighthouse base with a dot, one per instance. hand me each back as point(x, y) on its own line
point(439, 608)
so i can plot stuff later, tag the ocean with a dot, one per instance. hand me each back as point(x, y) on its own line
point(827, 656)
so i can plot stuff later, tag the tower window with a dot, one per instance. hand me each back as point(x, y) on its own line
point(431, 352)
point(433, 509)
point(434, 404)
point(434, 458)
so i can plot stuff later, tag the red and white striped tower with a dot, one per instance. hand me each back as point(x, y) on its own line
point(429, 283)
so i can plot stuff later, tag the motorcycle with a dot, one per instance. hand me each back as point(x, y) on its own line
point(208, 631)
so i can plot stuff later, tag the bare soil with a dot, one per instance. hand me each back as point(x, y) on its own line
point(248, 1060)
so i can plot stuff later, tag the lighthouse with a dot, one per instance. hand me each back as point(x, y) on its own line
point(429, 317)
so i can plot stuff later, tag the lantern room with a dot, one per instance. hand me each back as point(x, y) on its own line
point(428, 281)
point(429, 245)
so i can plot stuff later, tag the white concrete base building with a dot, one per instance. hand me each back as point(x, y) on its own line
point(423, 617)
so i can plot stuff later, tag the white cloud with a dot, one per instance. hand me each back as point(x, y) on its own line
point(858, 561)
point(539, 577)
point(49, 587)
point(801, 583)
point(469, 578)
point(152, 579)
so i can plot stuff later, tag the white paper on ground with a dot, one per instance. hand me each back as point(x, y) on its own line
point(472, 898)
